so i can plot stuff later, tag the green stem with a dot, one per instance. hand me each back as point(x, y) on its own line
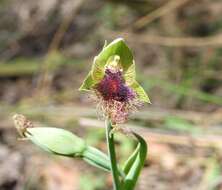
point(112, 154)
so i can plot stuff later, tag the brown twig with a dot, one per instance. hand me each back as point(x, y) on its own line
point(204, 141)
point(65, 113)
point(45, 79)
point(212, 41)
point(163, 10)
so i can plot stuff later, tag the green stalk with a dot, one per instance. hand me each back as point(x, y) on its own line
point(96, 158)
point(112, 155)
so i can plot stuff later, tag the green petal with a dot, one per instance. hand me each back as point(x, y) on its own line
point(140, 92)
point(98, 72)
point(87, 83)
point(130, 74)
point(117, 47)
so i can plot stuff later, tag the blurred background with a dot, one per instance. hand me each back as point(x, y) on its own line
point(46, 50)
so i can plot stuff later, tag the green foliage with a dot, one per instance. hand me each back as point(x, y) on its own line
point(129, 162)
point(182, 90)
point(135, 164)
point(28, 66)
point(212, 173)
point(20, 66)
point(111, 13)
point(180, 125)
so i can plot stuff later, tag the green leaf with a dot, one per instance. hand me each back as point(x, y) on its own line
point(137, 165)
point(128, 164)
point(56, 140)
point(140, 92)
point(181, 125)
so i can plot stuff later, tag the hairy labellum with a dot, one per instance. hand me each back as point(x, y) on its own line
point(116, 99)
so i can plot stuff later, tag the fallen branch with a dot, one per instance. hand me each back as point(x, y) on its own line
point(45, 77)
point(163, 10)
point(212, 41)
point(204, 141)
point(19, 68)
point(65, 113)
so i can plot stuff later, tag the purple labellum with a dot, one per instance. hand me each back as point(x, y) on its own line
point(112, 87)
point(116, 99)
